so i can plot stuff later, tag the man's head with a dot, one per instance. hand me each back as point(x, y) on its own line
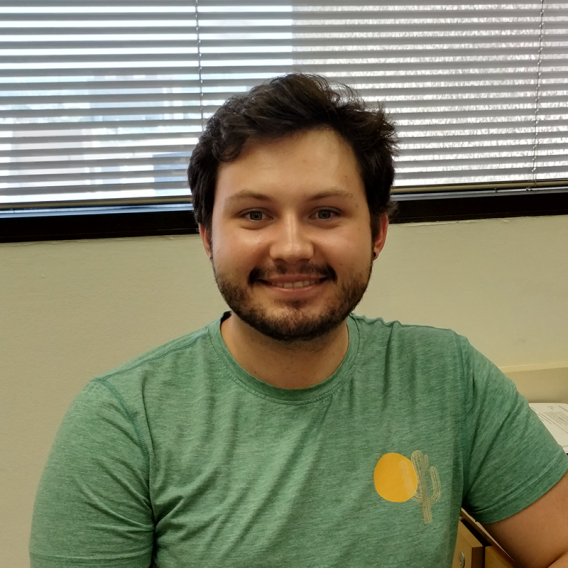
point(284, 106)
point(291, 187)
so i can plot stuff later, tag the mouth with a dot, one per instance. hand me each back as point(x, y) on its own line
point(280, 278)
point(297, 284)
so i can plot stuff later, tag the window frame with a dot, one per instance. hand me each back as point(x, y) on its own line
point(174, 215)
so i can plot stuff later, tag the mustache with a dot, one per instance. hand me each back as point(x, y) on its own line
point(323, 271)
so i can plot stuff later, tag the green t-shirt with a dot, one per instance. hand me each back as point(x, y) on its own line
point(180, 458)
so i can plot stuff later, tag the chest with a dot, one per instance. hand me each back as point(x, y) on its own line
point(318, 486)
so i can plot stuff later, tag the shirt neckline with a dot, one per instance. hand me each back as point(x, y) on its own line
point(286, 396)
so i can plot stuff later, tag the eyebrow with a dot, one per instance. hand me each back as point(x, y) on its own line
point(247, 194)
point(250, 194)
point(332, 192)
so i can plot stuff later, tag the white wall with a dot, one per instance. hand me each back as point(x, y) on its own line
point(72, 310)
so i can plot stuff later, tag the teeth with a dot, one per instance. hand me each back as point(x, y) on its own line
point(301, 284)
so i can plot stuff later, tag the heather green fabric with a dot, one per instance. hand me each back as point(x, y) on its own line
point(181, 459)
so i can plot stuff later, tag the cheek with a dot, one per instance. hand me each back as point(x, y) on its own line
point(240, 252)
point(350, 250)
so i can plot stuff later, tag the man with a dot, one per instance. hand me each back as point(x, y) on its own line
point(290, 432)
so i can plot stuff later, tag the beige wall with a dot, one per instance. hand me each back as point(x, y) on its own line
point(72, 310)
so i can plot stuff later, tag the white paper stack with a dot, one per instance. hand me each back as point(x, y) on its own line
point(555, 417)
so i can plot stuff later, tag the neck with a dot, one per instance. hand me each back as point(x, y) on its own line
point(295, 365)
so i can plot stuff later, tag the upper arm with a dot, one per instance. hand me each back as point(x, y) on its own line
point(538, 535)
point(513, 468)
point(92, 507)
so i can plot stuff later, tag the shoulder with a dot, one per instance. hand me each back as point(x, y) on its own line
point(152, 390)
point(151, 380)
point(434, 356)
point(428, 361)
point(404, 338)
point(181, 354)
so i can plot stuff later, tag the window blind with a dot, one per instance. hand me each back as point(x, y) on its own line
point(102, 103)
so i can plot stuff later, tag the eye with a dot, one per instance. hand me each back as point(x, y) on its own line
point(325, 214)
point(254, 215)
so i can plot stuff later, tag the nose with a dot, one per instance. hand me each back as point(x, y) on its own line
point(291, 242)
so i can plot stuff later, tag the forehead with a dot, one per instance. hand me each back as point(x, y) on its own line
point(295, 167)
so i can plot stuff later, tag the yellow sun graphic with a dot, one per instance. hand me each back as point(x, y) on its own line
point(395, 478)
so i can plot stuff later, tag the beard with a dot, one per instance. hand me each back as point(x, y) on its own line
point(292, 321)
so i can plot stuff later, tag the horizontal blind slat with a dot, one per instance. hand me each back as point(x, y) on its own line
point(96, 80)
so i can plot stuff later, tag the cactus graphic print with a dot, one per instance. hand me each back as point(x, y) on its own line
point(398, 479)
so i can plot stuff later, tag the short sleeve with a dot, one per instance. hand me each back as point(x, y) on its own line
point(92, 507)
point(510, 457)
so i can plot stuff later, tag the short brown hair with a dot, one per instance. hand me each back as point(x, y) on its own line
point(290, 104)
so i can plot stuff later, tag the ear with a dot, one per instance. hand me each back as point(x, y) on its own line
point(382, 236)
point(206, 240)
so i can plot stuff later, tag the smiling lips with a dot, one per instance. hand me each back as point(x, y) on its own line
point(300, 284)
point(280, 278)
